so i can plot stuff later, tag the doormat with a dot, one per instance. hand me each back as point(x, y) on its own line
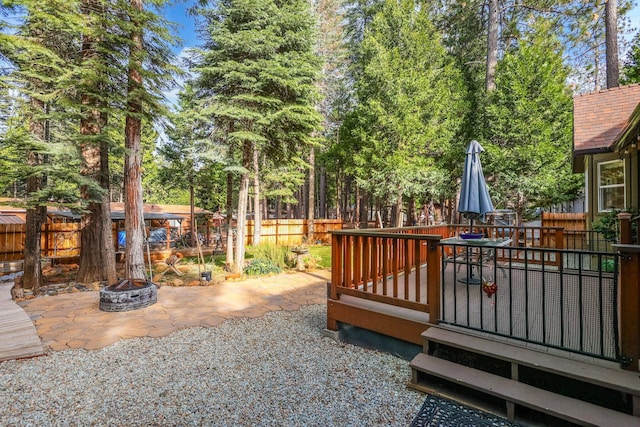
point(439, 412)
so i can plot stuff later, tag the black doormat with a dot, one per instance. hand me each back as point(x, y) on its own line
point(439, 412)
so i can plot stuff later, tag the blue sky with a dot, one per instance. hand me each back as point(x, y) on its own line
point(178, 13)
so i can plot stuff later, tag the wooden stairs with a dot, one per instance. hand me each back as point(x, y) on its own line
point(525, 384)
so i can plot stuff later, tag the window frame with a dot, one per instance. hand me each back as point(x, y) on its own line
point(601, 187)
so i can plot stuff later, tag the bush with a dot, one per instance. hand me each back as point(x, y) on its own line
point(273, 253)
point(608, 265)
point(312, 262)
point(261, 266)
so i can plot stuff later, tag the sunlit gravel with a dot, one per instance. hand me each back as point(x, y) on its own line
point(277, 370)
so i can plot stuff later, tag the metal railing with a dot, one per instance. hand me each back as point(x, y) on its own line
point(561, 298)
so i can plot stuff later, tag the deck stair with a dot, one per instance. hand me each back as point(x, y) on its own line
point(502, 371)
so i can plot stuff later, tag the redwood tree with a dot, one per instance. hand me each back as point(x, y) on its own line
point(134, 219)
point(97, 255)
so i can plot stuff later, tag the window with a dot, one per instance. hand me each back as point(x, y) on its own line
point(611, 186)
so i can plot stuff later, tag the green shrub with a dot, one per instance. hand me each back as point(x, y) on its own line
point(274, 253)
point(608, 265)
point(261, 266)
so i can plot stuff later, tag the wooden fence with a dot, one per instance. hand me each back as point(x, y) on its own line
point(291, 232)
point(568, 221)
point(61, 240)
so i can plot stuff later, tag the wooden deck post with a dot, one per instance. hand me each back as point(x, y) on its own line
point(434, 265)
point(629, 305)
point(625, 227)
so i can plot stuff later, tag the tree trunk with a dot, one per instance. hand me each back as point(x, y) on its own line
point(229, 221)
point(339, 211)
point(311, 205)
point(97, 256)
point(596, 67)
point(257, 214)
point(356, 206)
point(611, 43)
point(492, 45)
point(398, 212)
point(192, 212)
point(36, 214)
point(97, 252)
point(134, 216)
point(243, 198)
point(322, 196)
point(363, 218)
point(411, 212)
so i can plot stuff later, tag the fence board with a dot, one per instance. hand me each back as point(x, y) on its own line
point(63, 239)
point(290, 232)
point(568, 221)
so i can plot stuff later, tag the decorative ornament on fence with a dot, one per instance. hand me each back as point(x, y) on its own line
point(489, 288)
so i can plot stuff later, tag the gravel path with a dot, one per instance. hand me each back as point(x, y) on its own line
point(276, 370)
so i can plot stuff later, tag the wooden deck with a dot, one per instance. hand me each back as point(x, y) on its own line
point(530, 306)
point(18, 336)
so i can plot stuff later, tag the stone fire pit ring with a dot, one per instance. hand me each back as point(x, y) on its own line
point(128, 295)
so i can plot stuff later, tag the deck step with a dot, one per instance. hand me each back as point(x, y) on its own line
point(610, 378)
point(514, 392)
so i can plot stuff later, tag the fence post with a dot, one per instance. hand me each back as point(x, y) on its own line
point(560, 245)
point(629, 305)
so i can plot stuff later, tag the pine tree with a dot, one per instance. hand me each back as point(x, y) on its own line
point(38, 51)
point(529, 115)
point(256, 75)
point(411, 100)
point(631, 67)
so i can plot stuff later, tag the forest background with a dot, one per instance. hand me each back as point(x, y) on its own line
point(298, 108)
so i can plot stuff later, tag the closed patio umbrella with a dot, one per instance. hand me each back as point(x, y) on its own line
point(475, 201)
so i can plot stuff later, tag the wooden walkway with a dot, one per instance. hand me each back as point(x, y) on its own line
point(18, 336)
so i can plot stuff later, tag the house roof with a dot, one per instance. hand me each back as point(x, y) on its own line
point(599, 118)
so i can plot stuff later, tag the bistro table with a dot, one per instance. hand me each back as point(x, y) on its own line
point(478, 251)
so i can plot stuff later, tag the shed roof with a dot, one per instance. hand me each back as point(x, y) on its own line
point(10, 219)
point(117, 215)
point(600, 117)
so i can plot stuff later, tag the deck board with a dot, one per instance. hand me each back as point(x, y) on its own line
point(18, 336)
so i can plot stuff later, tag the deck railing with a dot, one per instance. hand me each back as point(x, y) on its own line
point(396, 266)
point(551, 290)
point(573, 306)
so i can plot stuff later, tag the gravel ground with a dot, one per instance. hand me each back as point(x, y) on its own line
point(277, 370)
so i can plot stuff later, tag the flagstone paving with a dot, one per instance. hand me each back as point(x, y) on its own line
point(72, 321)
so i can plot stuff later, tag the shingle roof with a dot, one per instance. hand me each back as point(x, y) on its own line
point(599, 117)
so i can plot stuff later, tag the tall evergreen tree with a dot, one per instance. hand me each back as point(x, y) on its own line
point(530, 120)
point(97, 254)
point(38, 50)
point(256, 75)
point(411, 100)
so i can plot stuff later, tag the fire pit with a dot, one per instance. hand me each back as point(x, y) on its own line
point(128, 295)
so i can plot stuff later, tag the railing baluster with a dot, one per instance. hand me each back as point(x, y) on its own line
point(417, 246)
point(395, 265)
point(407, 267)
point(385, 265)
